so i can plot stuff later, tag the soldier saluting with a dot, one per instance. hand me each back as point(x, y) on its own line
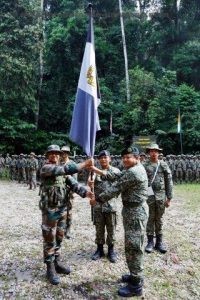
point(53, 204)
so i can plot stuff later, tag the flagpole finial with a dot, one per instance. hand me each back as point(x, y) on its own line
point(90, 5)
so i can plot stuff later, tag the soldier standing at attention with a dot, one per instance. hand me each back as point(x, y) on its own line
point(32, 166)
point(159, 196)
point(132, 184)
point(65, 160)
point(104, 214)
point(54, 208)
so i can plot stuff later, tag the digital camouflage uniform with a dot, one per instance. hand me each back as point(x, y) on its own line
point(162, 188)
point(180, 169)
point(21, 165)
point(53, 204)
point(104, 214)
point(133, 185)
point(32, 165)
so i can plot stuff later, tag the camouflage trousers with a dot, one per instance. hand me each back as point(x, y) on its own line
point(179, 175)
point(21, 175)
point(156, 212)
point(135, 221)
point(102, 221)
point(69, 213)
point(32, 180)
point(53, 229)
point(189, 176)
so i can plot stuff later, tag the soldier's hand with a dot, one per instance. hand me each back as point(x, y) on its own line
point(90, 183)
point(93, 201)
point(88, 163)
point(167, 202)
point(90, 195)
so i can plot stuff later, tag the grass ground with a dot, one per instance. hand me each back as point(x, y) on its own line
point(175, 275)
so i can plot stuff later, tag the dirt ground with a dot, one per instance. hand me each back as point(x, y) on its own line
point(175, 275)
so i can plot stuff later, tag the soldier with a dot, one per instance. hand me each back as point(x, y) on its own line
point(65, 160)
point(133, 185)
point(190, 169)
point(104, 214)
point(2, 164)
point(180, 166)
point(54, 208)
point(159, 197)
point(143, 157)
point(21, 164)
point(32, 165)
point(13, 170)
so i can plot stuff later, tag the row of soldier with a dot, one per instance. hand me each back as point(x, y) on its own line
point(26, 168)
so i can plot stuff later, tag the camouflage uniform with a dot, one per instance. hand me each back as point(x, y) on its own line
point(162, 188)
point(2, 164)
point(13, 169)
point(132, 184)
point(104, 214)
point(53, 204)
point(21, 165)
point(190, 170)
point(180, 169)
point(32, 165)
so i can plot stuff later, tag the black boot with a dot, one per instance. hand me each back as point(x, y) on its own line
point(68, 232)
point(99, 252)
point(150, 245)
point(111, 254)
point(60, 269)
point(133, 288)
point(51, 274)
point(126, 278)
point(159, 244)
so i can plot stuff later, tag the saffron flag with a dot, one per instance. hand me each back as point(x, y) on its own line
point(179, 122)
point(85, 119)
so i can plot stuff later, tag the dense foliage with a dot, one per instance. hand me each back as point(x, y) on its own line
point(163, 47)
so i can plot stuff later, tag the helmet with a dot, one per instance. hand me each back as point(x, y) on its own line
point(53, 148)
point(65, 149)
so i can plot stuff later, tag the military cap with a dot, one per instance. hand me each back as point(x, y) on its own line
point(103, 153)
point(65, 149)
point(142, 154)
point(21, 154)
point(53, 148)
point(130, 150)
point(32, 153)
point(153, 146)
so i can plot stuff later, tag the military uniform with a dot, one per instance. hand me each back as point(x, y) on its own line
point(105, 214)
point(132, 185)
point(32, 165)
point(160, 187)
point(53, 204)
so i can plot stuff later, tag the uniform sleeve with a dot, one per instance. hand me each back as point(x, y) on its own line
point(49, 170)
point(75, 187)
point(116, 188)
point(168, 181)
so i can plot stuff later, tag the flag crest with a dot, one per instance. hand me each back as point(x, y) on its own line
point(85, 119)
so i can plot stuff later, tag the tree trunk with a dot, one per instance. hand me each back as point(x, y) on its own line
point(125, 52)
point(41, 22)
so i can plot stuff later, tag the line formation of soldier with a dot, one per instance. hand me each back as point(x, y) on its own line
point(139, 212)
point(144, 181)
point(22, 168)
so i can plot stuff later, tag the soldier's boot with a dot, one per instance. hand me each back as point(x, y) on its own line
point(51, 274)
point(30, 187)
point(133, 288)
point(150, 244)
point(68, 232)
point(126, 278)
point(99, 252)
point(159, 244)
point(60, 268)
point(112, 256)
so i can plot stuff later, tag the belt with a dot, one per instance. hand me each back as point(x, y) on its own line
point(131, 204)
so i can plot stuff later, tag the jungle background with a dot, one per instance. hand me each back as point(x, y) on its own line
point(42, 44)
